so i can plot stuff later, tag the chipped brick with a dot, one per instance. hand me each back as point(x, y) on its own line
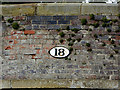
point(29, 32)
point(8, 48)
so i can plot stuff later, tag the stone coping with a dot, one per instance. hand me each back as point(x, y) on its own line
point(61, 83)
point(59, 9)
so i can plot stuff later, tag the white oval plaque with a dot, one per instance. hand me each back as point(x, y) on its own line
point(59, 52)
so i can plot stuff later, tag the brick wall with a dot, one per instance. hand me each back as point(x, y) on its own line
point(29, 48)
point(25, 51)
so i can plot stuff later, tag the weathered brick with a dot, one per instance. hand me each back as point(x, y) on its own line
point(8, 48)
point(58, 17)
point(51, 22)
point(29, 32)
point(29, 27)
point(64, 22)
point(71, 17)
point(36, 27)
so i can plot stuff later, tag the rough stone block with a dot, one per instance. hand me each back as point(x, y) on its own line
point(16, 10)
point(58, 17)
point(64, 22)
point(58, 9)
point(100, 8)
point(51, 22)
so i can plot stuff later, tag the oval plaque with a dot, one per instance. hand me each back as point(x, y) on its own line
point(59, 52)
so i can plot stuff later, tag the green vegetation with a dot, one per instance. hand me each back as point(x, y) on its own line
point(72, 35)
point(62, 34)
point(66, 58)
point(73, 40)
point(89, 50)
point(75, 53)
point(15, 25)
point(84, 63)
point(109, 39)
point(110, 23)
point(119, 15)
point(67, 28)
point(112, 42)
point(96, 25)
point(75, 30)
point(103, 44)
point(117, 30)
point(10, 20)
point(116, 51)
point(109, 30)
point(70, 44)
point(90, 29)
point(69, 39)
point(92, 16)
point(61, 40)
point(114, 20)
point(95, 35)
point(114, 45)
point(70, 49)
point(104, 25)
point(58, 30)
point(79, 39)
point(107, 24)
point(101, 35)
point(88, 44)
point(104, 19)
point(111, 55)
point(83, 21)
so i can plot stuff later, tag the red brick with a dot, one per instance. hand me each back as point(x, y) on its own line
point(33, 56)
point(22, 47)
point(12, 57)
point(19, 18)
point(15, 41)
point(38, 51)
point(13, 37)
point(44, 51)
point(8, 48)
point(48, 47)
point(36, 36)
point(13, 32)
point(117, 37)
point(29, 32)
point(46, 57)
point(39, 36)
point(107, 42)
point(92, 77)
point(7, 37)
point(84, 67)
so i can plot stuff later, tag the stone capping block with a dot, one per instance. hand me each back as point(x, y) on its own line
point(49, 9)
point(60, 83)
point(58, 9)
point(100, 8)
point(16, 10)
